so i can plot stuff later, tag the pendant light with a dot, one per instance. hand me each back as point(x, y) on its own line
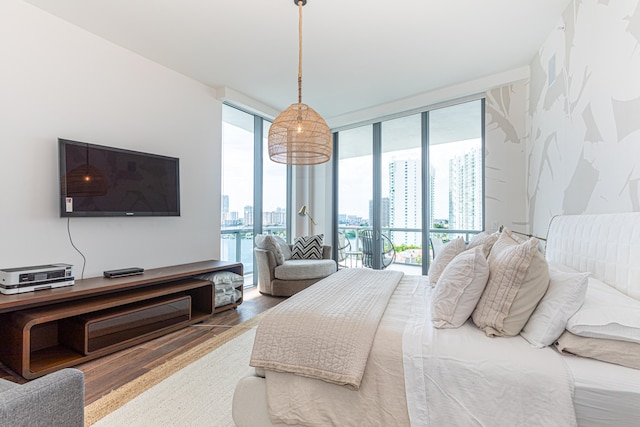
point(85, 181)
point(299, 135)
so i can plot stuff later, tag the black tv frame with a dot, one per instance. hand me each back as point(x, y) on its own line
point(62, 169)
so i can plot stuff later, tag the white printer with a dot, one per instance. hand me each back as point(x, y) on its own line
point(28, 279)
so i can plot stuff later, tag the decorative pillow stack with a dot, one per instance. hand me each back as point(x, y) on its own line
point(518, 279)
point(307, 247)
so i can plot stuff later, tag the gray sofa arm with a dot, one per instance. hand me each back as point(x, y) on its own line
point(326, 252)
point(265, 263)
point(55, 400)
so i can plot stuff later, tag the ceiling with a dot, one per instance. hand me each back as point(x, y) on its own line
point(356, 54)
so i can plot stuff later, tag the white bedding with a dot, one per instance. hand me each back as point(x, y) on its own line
point(462, 377)
point(605, 394)
point(608, 246)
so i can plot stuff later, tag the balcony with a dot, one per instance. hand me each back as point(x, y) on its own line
point(237, 245)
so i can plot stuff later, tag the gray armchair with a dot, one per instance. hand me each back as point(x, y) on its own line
point(293, 275)
point(54, 400)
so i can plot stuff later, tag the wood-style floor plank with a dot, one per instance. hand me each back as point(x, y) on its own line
point(112, 371)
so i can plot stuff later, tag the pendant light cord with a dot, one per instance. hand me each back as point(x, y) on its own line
point(300, 52)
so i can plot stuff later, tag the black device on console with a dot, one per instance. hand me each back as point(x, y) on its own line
point(123, 272)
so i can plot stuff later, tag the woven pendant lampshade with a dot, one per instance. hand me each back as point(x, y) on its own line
point(299, 135)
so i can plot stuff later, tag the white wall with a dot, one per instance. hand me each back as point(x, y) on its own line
point(57, 80)
point(584, 152)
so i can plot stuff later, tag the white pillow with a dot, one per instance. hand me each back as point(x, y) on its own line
point(606, 313)
point(446, 254)
point(563, 298)
point(459, 288)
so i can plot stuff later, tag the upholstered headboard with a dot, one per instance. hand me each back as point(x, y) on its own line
point(607, 245)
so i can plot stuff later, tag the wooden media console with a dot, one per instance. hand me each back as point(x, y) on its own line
point(47, 330)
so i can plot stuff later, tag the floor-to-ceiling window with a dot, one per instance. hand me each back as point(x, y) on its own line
point(355, 192)
point(401, 190)
point(254, 189)
point(409, 183)
point(456, 171)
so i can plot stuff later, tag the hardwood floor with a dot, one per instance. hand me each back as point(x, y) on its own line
point(109, 372)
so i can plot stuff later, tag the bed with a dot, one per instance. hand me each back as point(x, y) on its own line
point(416, 374)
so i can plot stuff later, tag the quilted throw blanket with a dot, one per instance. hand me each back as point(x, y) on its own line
point(327, 330)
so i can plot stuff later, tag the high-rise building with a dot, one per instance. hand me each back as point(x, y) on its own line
point(404, 200)
point(225, 204)
point(385, 210)
point(465, 190)
point(248, 215)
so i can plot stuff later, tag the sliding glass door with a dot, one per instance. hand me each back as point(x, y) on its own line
point(401, 190)
point(355, 193)
point(407, 185)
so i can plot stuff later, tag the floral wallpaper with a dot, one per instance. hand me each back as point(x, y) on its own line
point(583, 150)
point(505, 143)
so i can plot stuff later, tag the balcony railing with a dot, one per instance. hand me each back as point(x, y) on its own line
point(237, 244)
point(445, 234)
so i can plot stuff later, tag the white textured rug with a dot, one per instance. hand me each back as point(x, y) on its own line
point(199, 394)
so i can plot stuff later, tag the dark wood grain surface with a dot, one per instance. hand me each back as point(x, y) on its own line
point(112, 371)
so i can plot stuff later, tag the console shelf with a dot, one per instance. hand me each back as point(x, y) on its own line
point(41, 333)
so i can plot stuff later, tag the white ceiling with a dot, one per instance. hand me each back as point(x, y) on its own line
point(356, 54)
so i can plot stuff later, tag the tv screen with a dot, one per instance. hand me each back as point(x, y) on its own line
point(104, 181)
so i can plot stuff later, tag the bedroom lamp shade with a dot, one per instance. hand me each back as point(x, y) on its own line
point(305, 212)
point(299, 135)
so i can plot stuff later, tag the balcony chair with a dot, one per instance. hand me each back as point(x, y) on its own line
point(344, 249)
point(388, 255)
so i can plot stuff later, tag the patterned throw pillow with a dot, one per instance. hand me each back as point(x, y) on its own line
point(308, 247)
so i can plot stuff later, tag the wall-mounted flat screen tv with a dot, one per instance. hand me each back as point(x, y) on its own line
point(105, 181)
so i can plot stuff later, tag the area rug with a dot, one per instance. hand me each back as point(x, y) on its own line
point(194, 389)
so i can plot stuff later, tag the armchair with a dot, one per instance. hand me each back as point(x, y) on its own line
point(54, 400)
point(292, 275)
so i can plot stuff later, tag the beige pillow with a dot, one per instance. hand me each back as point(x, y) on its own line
point(459, 288)
point(444, 256)
point(269, 242)
point(485, 240)
point(285, 250)
point(518, 279)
